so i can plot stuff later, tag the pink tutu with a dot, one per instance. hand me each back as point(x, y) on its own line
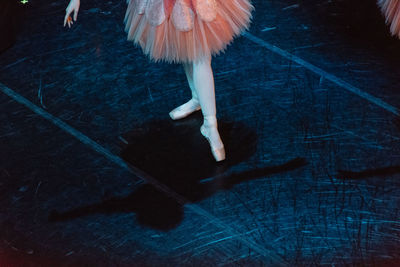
point(185, 30)
point(391, 10)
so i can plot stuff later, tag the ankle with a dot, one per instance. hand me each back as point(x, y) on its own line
point(210, 121)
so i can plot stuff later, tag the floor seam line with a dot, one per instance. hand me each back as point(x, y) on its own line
point(328, 76)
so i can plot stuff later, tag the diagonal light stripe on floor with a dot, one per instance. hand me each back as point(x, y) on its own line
point(328, 76)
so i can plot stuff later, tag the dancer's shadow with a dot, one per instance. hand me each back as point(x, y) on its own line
point(369, 173)
point(382, 172)
point(176, 155)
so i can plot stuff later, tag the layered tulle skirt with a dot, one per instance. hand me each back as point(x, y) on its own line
point(185, 30)
point(391, 10)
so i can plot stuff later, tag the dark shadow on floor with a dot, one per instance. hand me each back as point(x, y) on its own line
point(368, 173)
point(175, 151)
point(358, 21)
point(176, 155)
point(12, 14)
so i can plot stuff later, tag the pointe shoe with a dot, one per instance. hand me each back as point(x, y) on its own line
point(185, 110)
point(217, 152)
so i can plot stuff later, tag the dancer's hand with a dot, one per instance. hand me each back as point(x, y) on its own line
point(72, 7)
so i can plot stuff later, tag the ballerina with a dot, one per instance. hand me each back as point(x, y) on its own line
point(391, 10)
point(188, 32)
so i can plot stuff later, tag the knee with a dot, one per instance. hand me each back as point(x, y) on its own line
point(204, 61)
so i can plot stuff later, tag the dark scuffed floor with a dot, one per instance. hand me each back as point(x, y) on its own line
point(312, 176)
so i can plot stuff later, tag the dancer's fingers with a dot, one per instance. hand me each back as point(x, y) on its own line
point(69, 21)
point(65, 19)
point(75, 14)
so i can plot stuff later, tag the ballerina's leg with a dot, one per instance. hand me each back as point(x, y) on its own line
point(203, 80)
point(193, 104)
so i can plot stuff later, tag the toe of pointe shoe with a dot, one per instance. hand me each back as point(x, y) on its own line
point(219, 154)
point(177, 113)
point(174, 115)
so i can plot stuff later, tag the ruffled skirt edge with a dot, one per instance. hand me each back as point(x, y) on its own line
point(166, 43)
point(391, 10)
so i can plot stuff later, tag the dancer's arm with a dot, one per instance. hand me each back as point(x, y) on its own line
point(72, 7)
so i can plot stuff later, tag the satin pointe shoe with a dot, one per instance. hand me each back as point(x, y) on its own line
point(210, 132)
point(185, 110)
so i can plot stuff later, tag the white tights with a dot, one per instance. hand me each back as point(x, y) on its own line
point(201, 82)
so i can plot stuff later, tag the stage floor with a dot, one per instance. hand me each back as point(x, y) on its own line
point(93, 172)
